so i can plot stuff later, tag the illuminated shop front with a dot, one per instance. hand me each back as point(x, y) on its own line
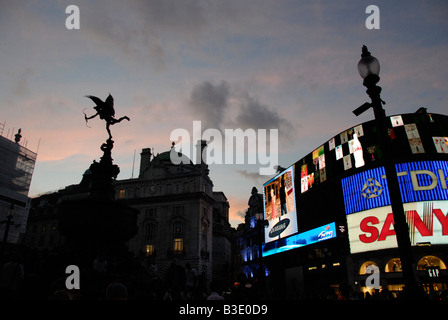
point(342, 186)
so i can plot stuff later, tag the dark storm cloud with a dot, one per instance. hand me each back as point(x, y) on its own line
point(214, 103)
point(255, 177)
point(209, 103)
point(256, 115)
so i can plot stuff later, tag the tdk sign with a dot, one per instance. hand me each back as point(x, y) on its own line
point(419, 181)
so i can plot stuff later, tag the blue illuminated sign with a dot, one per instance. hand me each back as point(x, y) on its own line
point(419, 181)
point(325, 232)
point(365, 190)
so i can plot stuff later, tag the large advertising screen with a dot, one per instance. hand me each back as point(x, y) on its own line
point(424, 193)
point(280, 206)
point(322, 233)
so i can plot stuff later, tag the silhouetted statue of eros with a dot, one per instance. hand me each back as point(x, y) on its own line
point(106, 112)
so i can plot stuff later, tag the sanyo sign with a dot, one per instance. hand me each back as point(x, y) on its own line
point(374, 229)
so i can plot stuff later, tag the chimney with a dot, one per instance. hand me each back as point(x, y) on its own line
point(145, 159)
point(201, 152)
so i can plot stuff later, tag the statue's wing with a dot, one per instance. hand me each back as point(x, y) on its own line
point(109, 105)
point(97, 101)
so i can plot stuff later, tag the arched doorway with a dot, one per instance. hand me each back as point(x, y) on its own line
point(365, 270)
point(394, 276)
point(430, 268)
point(393, 265)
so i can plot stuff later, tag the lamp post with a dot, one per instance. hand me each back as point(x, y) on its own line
point(369, 69)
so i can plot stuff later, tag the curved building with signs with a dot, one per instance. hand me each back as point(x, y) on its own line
point(330, 218)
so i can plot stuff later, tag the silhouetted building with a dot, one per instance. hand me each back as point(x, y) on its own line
point(340, 228)
point(42, 230)
point(222, 241)
point(178, 212)
point(247, 240)
point(16, 170)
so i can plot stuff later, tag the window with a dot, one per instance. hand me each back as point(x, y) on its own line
point(363, 268)
point(178, 238)
point(122, 194)
point(149, 249)
point(393, 265)
point(430, 261)
point(150, 230)
point(151, 213)
point(178, 246)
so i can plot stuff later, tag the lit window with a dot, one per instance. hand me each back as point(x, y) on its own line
point(393, 265)
point(363, 268)
point(149, 249)
point(178, 238)
point(122, 194)
point(178, 246)
point(430, 261)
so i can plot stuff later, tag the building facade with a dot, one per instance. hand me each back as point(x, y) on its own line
point(16, 170)
point(181, 219)
point(247, 239)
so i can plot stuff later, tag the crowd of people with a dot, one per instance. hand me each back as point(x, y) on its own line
point(37, 275)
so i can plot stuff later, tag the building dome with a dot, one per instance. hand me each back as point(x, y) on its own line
point(165, 157)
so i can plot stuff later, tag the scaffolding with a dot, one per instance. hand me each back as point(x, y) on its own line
point(16, 170)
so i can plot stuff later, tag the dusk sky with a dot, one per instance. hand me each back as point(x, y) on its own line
point(261, 64)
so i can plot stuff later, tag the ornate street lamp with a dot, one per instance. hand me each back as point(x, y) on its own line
point(369, 69)
point(368, 65)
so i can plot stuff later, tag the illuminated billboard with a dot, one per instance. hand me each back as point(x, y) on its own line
point(343, 179)
point(419, 181)
point(280, 206)
point(325, 232)
point(373, 229)
point(410, 135)
point(424, 193)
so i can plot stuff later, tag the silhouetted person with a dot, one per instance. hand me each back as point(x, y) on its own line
point(283, 197)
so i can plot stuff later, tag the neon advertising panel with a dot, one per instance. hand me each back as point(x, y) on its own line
point(419, 181)
point(374, 229)
point(325, 232)
point(424, 192)
point(280, 206)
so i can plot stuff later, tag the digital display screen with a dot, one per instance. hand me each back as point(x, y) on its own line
point(325, 232)
point(280, 206)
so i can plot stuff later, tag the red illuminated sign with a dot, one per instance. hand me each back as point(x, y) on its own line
point(374, 229)
point(373, 233)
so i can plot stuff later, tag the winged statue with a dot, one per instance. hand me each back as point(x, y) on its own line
point(106, 112)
